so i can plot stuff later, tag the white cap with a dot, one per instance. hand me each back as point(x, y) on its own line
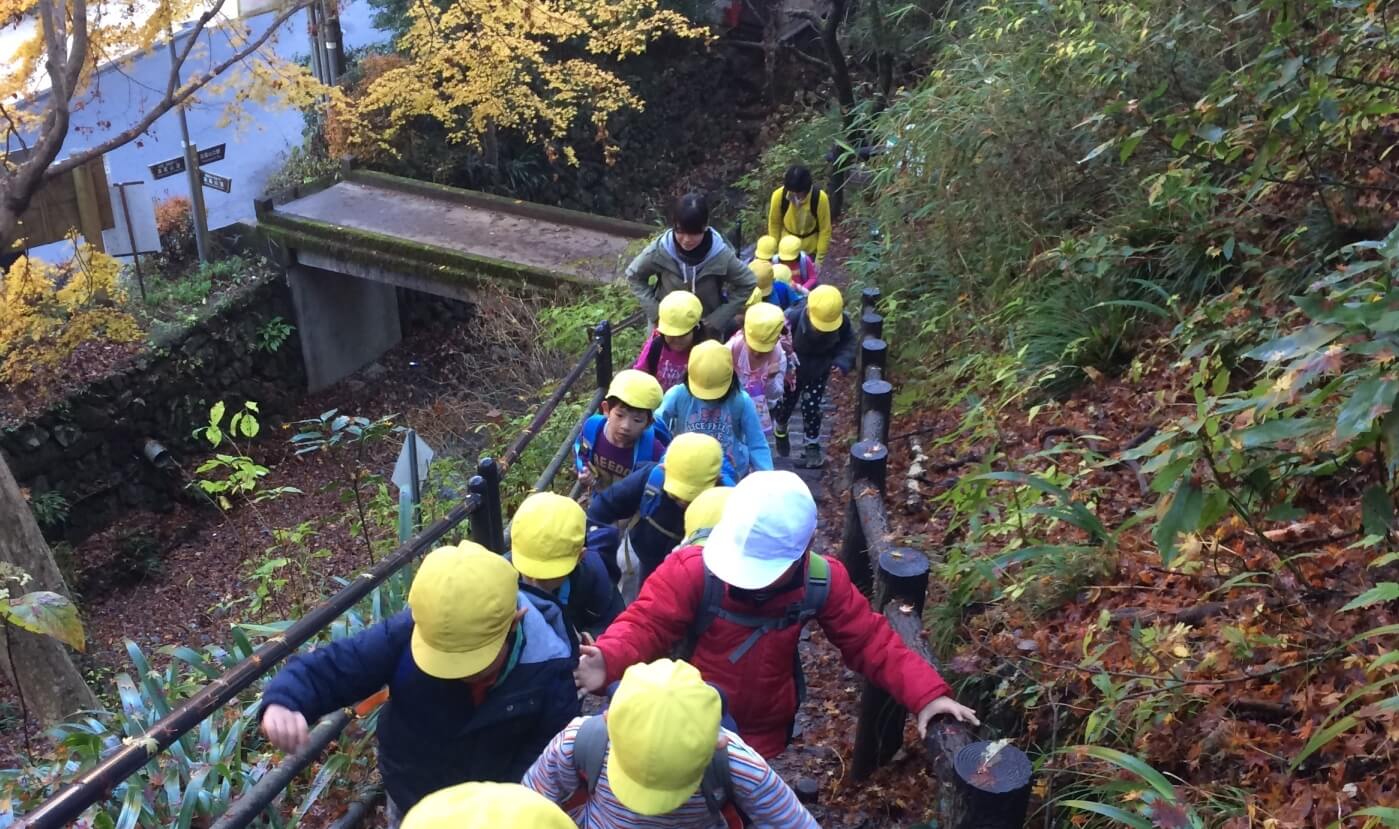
point(767, 524)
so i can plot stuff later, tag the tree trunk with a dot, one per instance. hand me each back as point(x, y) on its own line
point(52, 686)
point(845, 94)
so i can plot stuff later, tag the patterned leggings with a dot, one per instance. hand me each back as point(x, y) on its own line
point(810, 394)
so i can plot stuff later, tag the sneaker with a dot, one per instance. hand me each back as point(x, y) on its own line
point(784, 444)
point(813, 459)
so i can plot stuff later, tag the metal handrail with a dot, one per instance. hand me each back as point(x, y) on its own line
point(96, 784)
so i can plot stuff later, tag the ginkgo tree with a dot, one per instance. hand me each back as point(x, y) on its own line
point(531, 67)
point(53, 71)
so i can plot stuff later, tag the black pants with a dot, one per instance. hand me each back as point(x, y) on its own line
point(809, 393)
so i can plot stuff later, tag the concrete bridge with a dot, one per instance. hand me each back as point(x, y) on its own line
point(348, 243)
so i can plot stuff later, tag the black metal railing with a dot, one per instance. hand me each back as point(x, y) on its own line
point(978, 785)
point(483, 508)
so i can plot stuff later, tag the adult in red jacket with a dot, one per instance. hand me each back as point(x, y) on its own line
point(758, 572)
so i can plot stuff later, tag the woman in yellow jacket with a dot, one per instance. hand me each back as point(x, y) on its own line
point(801, 210)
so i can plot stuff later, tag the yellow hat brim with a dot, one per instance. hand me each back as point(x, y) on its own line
point(549, 568)
point(642, 799)
point(458, 665)
point(686, 491)
point(758, 345)
point(672, 331)
point(823, 327)
point(704, 392)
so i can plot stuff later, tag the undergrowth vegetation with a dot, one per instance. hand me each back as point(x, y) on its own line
point(1139, 261)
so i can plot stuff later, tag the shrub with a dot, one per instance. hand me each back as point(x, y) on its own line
point(174, 221)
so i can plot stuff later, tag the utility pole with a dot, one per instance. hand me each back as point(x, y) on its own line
point(334, 41)
point(196, 187)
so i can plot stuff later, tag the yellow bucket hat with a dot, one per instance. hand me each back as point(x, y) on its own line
point(711, 370)
point(789, 248)
point(754, 298)
point(704, 512)
point(762, 327)
point(692, 463)
point(547, 536)
point(782, 273)
point(763, 272)
point(679, 313)
point(463, 603)
point(824, 308)
point(636, 389)
point(766, 248)
point(486, 806)
point(662, 728)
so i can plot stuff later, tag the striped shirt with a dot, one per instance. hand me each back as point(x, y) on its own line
point(759, 793)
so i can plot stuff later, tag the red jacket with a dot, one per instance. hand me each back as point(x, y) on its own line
point(761, 686)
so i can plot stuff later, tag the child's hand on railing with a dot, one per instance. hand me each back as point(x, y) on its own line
point(285, 728)
point(945, 706)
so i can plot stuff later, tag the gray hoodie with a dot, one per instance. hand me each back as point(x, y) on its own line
point(722, 283)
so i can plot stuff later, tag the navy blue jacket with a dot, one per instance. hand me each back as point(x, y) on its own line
point(655, 534)
point(589, 598)
point(431, 734)
point(818, 351)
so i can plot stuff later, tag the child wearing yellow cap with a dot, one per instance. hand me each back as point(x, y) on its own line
point(822, 338)
point(790, 255)
point(759, 361)
point(703, 514)
point(660, 757)
point(486, 806)
point(547, 541)
point(770, 288)
point(712, 403)
point(623, 434)
point(666, 351)
point(480, 678)
point(651, 501)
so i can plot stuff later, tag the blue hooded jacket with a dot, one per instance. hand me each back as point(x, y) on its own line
point(431, 733)
point(733, 421)
point(589, 596)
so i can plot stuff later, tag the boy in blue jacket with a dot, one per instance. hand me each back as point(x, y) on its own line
point(547, 547)
point(652, 501)
point(480, 678)
point(624, 434)
point(711, 403)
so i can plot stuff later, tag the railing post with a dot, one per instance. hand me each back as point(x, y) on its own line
point(480, 521)
point(872, 353)
point(602, 335)
point(869, 300)
point(868, 467)
point(877, 396)
point(879, 731)
point(871, 325)
point(489, 471)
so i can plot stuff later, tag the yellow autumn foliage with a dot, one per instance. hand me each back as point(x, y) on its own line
point(47, 312)
point(529, 66)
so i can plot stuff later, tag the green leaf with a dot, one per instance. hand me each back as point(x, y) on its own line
point(1388, 815)
point(1276, 431)
point(216, 413)
point(1305, 341)
point(1370, 401)
point(1129, 145)
point(1182, 516)
point(47, 614)
point(249, 426)
point(1376, 511)
point(1330, 109)
point(1097, 151)
point(1132, 765)
point(1110, 812)
point(1385, 591)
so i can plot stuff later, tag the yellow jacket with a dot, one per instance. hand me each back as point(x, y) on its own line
point(785, 220)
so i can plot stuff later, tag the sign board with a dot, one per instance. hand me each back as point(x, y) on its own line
point(176, 165)
point(79, 200)
point(131, 199)
point(402, 477)
point(214, 182)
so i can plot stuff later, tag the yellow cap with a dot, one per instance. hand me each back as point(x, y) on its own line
point(486, 806)
point(663, 726)
point(463, 603)
point(824, 308)
point(636, 389)
point(704, 512)
point(782, 273)
point(763, 272)
point(692, 463)
point(762, 327)
point(711, 370)
point(789, 248)
point(766, 248)
point(547, 536)
point(754, 298)
point(680, 312)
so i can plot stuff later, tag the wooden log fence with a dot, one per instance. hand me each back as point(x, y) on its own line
point(981, 785)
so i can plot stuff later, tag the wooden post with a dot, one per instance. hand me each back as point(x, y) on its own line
point(872, 353)
point(489, 471)
point(869, 299)
point(879, 732)
point(871, 325)
point(876, 397)
point(869, 462)
point(480, 518)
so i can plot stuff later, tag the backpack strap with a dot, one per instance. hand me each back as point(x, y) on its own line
point(651, 500)
point(717, 786)
point(586, 444)
point(711, 601)
point(818, 586)
point(590, 749)
point(816, 590)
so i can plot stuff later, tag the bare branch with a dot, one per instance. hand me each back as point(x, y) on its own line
point(172, 98)
point(14, 130)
